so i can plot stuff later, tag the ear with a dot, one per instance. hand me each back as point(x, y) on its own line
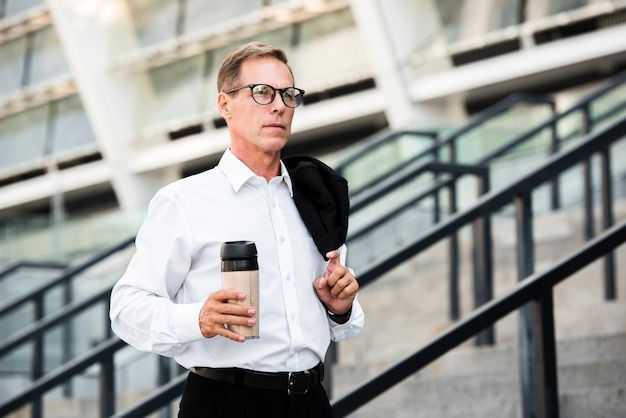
point(223, 105)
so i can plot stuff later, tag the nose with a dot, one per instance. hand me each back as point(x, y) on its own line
point(277, 103)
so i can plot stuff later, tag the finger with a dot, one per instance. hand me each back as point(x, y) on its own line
point(227, 333)
point(332, 254)
point(333, 259)
point(222, 308)
point(333, 263)
point(227, 294)
point(336, 274)
point(344, 289)
point(217, 324)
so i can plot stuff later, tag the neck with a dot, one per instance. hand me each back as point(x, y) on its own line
point(263, 164)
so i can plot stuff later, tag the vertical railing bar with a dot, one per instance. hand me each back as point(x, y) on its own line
point(107, 386)
point(610, 287)
point(37, 355)
point(525, 267)
point(483, 280)
point(437, 203)
point(108, 332)
point(164, 376)
point(453, 261)
point(589, 230)
point(66, 338)
point(554, 148)
point(587, 180)
point(453, 245)
point(544, 356)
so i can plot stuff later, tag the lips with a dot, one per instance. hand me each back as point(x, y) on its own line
point(275, 125)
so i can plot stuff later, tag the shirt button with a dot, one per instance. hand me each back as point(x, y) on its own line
point(282, 239)
point(288, 277)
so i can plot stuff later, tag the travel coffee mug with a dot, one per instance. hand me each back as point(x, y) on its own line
point(240, 271)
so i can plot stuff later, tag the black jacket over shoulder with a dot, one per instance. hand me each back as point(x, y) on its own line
point(321, 196)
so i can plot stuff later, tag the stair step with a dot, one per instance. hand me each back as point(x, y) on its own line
point(484, 382)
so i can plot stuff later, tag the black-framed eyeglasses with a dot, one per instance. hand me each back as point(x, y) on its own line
point(264, 94)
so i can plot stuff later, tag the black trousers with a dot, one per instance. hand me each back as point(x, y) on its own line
point(205, 398)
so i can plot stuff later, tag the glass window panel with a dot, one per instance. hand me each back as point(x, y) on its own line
point(177, 89)
point(22, 136)
point(155, 20)
point(506, 14)
point(325, 43)
point(450, 15)
point(200, 14)
point(71, 126)
point(48, 60)
point(14, 7)
point(557, 6)
point(12, 65)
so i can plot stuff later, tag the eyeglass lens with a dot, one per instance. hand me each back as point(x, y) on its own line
point(264, 94)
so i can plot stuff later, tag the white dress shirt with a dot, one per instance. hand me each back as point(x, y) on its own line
point(155, 306)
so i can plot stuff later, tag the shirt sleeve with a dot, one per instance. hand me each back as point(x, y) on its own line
point(143, 311)
point(351, 328)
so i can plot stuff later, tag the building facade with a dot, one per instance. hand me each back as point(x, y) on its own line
point(102, 102)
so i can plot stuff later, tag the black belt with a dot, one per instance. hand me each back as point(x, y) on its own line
point(294, 383)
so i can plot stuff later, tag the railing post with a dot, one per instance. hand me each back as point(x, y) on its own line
point(525, 267)
point(453, 245)
point(453, 273)
point(66, 336)
point(437, 198)
point(543, 346)
point(107, 385)
point(37, 356)
point(587, 181)
point(554, 148)
point(610, 288)
point(536, 328)
point(165, 375)
point(482, 265)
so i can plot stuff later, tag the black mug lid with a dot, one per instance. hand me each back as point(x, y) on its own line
point(238, 249)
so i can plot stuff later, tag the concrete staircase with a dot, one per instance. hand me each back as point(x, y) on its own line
point(409, 307)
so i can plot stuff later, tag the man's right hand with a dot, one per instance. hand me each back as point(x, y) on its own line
point(217, 312)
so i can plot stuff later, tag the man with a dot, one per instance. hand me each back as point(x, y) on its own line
point(170, 300)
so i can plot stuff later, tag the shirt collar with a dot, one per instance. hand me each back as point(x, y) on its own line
point(238, 174)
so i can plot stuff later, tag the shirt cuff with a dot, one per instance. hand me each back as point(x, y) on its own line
point(186, 322)
point(352, 327)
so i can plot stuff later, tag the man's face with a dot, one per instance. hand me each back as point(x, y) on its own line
point(254, 127)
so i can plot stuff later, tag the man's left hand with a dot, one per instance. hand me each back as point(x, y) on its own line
point(338, 287)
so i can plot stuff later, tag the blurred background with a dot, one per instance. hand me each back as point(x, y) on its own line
point(103, 102)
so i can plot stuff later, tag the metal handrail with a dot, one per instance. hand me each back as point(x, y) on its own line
point(44, 265)
point(102, 354)
point(154, 401)
point(489, 313)
point(495, 200)
point(440, 142)
point(378, 140)
point(518, 191)
point(439, 232)
point(455, 169)
point(66, 276)
point(36, 329)
point(483, 316)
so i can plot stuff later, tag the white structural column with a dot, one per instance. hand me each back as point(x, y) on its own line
point(384, 62)
point(93, 34)
point(393, 30)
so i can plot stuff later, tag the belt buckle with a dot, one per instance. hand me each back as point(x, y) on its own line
point(299, 383)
